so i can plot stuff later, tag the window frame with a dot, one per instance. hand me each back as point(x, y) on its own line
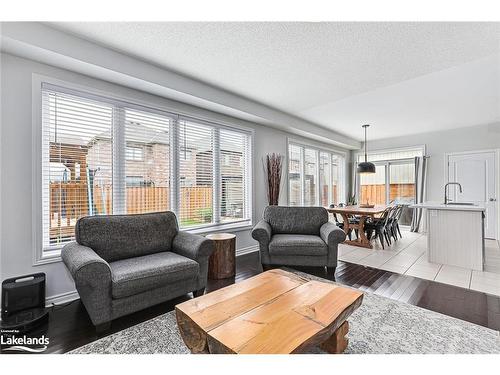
point(131, 151)
point(44, 255)
point(332, 151)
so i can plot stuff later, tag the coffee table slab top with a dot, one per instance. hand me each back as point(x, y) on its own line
point(274, 312)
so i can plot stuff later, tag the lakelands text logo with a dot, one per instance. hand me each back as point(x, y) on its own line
point(24, 343)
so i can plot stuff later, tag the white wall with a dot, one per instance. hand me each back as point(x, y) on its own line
point(439, 143)
point(40, 42)
point(16, 243)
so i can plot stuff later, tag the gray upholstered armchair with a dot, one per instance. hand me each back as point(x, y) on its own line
point(297, 236)
point(125, 263)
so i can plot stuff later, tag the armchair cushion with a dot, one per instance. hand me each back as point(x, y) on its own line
point(295, 220)
point(135, 275)
point(115, 237)
point(297, 244)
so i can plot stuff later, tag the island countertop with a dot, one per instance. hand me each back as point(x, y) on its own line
point(451, 206)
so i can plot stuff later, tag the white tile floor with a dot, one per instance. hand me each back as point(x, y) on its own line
point(408, 256)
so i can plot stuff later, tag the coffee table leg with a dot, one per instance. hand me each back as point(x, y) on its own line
point(337, 342)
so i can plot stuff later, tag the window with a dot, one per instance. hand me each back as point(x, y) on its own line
point(196, 168)
point(103, 156)
point(325, 180)
point(234, 181)
point(295, 165)
point(315, 177)
point(147, 160)
point(310, 176)
point(133, 153)
point(76, 131)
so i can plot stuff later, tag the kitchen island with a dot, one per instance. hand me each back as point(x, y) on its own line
point(455, 234)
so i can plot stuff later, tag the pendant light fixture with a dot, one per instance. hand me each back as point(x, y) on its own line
point(365, 166)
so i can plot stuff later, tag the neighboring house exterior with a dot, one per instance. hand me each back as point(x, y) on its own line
point(147, 157)
point(147, 163)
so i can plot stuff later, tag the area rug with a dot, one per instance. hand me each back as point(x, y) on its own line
point(379, 326)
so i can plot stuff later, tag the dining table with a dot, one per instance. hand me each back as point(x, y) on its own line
point(363, 213)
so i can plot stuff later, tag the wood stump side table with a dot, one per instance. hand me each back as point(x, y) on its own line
point(222, 262)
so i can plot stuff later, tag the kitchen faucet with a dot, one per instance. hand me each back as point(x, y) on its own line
point(446, 186)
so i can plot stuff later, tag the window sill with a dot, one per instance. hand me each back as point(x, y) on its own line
point(54, 255)
point(230, 227)
point(49, 256)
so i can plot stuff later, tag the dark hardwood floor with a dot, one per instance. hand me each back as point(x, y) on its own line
point(69, 326)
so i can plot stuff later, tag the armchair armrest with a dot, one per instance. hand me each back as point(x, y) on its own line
point(92, 276)
point(197, 248)
point(262, 232)
point(192, 246)
point(331, 234)
point(76, 257)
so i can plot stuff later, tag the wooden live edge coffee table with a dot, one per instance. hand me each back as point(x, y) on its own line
point(276, 312)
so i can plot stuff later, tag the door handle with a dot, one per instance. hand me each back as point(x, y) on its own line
point(493, 199)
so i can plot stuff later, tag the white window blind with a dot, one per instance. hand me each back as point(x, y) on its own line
point(77, 162)
point(295, 186)
point(325, 180)
point(196, 173)
point(391, 155)
point(104, 156)
point(310, 177)
point(234, 181)
point(147, 182)
point(315, 177)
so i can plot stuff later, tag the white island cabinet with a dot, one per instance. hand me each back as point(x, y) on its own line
point(455, 234)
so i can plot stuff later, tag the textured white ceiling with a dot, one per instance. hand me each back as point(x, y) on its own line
point(321, 71)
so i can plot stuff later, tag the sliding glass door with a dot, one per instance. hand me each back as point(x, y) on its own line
point(401, 181)
point(393, 182)
point(402, 187)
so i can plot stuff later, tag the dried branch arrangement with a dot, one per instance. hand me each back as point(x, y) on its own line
point(273, 168)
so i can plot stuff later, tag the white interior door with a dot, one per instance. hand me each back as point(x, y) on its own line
point(476, 172)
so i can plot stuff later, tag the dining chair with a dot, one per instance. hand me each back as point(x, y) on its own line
point(341, 224)
point(389, 227)
point(395, 222)
point(380, 227)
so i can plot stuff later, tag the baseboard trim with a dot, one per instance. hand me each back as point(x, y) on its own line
point(247, 250)
point(62, 298)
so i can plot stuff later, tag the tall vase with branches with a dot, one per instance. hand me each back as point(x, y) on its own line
point(273, 168)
